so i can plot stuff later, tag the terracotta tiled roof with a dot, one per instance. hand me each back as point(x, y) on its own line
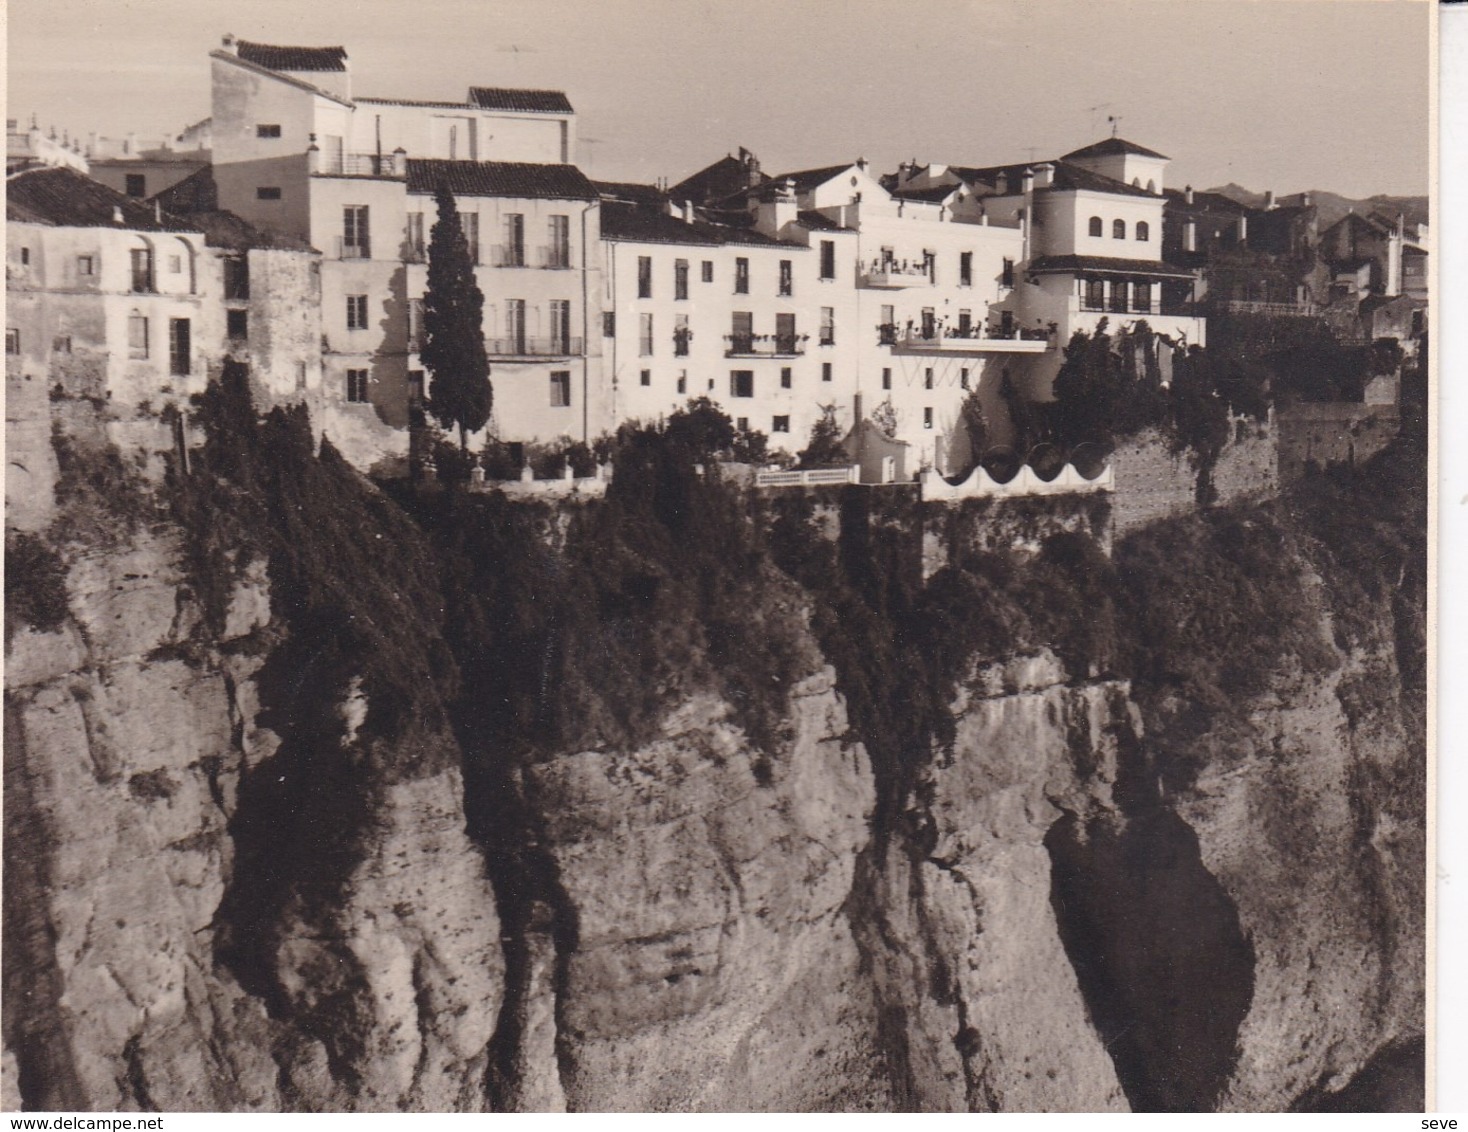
point(1103, 265)
point(293, 58)
point(195, 200)
point(631, 192)
point(434, 104)
point(1112, 146)
point(818, 222)
point(499, 179)
point(64, 197)
point(534, 101)
point(809, 178)
point(642, 225)
point(933, 195)
point(1066, 177)
point(725, 177)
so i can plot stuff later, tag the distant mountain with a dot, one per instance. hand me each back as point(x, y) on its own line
point(1333, 206)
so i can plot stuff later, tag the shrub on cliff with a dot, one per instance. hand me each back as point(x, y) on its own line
point(35, 585)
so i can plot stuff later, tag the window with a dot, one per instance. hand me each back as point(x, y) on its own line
point(415, 325)
point(825, 371)
point(236, 278)
point(515, 325)
point(828, 259)
point(1095, 228)
point(61, 344)
point(1006, 279)
point(608, 323)
point(785, 341)
point(1095, 298)
point(1118, 229)
point(680, 279)
point(681, 335)
point(264, 131)
point(682, 381)
point(86, 265)
point(512, 252)
point(708, 271)
point(267, 192)
point(965, 323)
point(741, 424)
point(25, 257)
point(1144, 230)
point(929, 323)
point(137, 336)
point(741, 332)
point(1118, 296)
point(886, 377)
point(237, 324)
point(787, 278)
point(12, 340)
point(741, 383)
point(787, 377)
point(741, 276)
point(928, 377)
point(647, 377)
point(963, 378)
point(560, 325)
point(1142, 297)
point(415, 388)
point(828, 326)
point(137, 184)
point(356, 312)
point(965, 269)
point(142, 261)
point(928, 417)
point(357, 386)
point(470, 221)
point(644, 334)
point(180, 354)
point(780, 424)
point(644, 277)
point(416, 247)
point(356, 243)
point(558, 231)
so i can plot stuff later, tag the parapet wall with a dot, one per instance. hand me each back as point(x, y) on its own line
point(1152, 482)
point(1332, 433)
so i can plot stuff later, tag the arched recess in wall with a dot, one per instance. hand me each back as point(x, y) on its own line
point(191, 264)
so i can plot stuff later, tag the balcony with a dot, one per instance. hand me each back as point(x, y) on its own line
point(765, 345)
point(524, 347)
point(415, 253)
point(506, 255)
point(357, 165)
point(352, 250)
point(891, 275)
point(554, 258)
point(975, 340)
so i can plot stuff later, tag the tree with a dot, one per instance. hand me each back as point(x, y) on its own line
point(453, 328)
point(825, 448)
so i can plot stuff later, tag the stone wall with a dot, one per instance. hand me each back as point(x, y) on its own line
point(1332, 433)
point(1153, 482)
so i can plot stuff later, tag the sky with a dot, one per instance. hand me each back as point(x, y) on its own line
point(1272, 94)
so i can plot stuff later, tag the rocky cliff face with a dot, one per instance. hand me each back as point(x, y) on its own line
point(231, 885)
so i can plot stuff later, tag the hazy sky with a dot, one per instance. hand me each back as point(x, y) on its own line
point(1282, 94)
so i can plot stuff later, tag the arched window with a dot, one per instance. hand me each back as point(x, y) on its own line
point(1118, 229)
point(1152, 186)
point(1144, 232)
point(1095, 226)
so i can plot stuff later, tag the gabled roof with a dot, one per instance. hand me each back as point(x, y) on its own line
point(1067, 177)
point(818, 222)
point(642, 225)
point(1204, 202)
point(631, 192)
point(499, 179)
point(719, 181)
point(807, 179)
point(1111, 147)
point(292, 58)
point(936, 194)
point(430, 103)
point(531, 101)
point(1355, 219)
point(1103, 265)
point(63, 197)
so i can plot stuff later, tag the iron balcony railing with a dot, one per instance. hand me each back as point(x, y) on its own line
point(527, 347)
point(765, 345)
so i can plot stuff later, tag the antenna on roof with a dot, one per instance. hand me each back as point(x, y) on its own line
point(1115, 120)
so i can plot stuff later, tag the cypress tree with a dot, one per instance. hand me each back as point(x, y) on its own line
point(453, 328)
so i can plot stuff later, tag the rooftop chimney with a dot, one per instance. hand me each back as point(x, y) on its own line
point(1044, 175)
point(1243, 232)
point(1268, 199)
point(1190, 235)
point(117, 214)
point(1027, 181)
point(1304, 200)
point(1187, 194)
point(1001, 184)
point(229, 44)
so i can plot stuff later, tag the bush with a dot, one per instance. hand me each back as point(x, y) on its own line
point(825, 448)
point(35, 585)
